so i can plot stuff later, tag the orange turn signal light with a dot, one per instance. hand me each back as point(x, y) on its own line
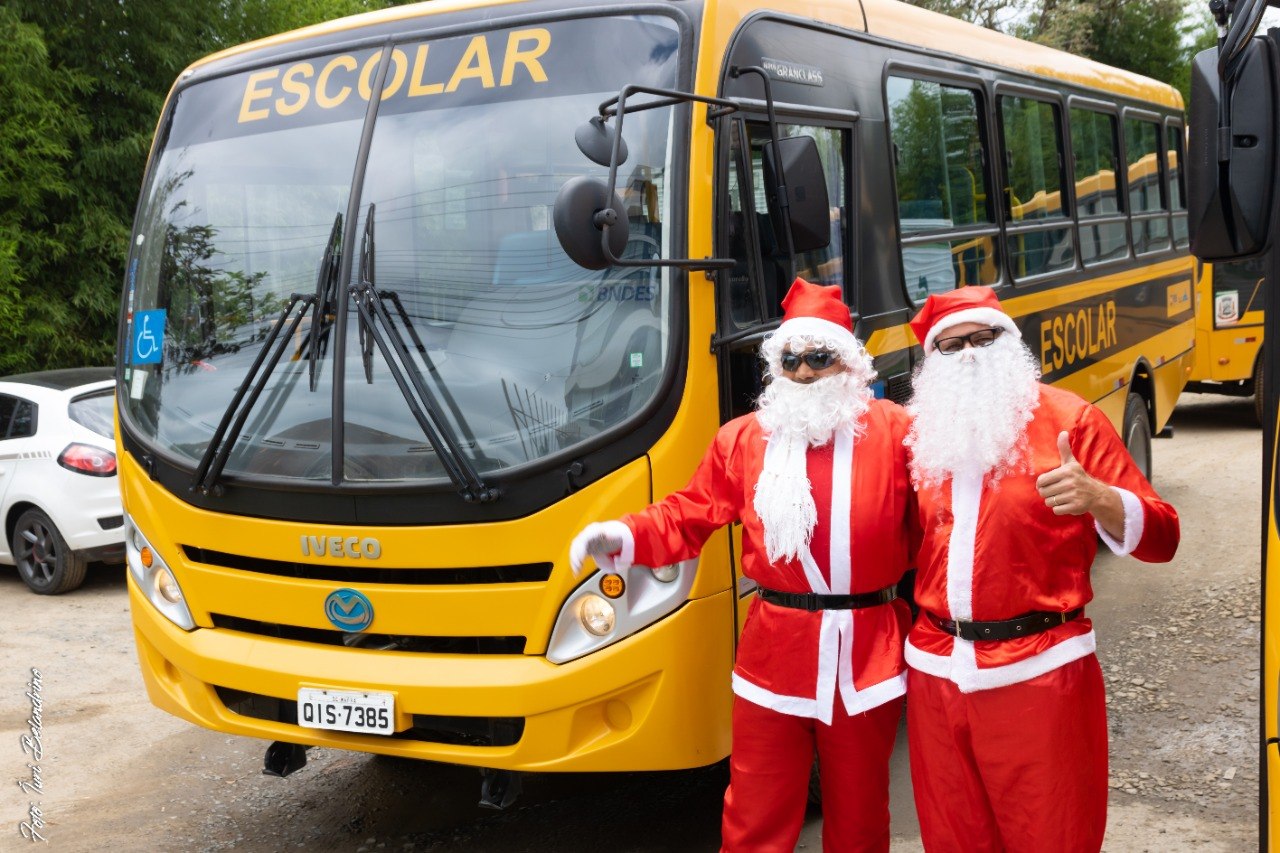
point(612, 585)
point(145, 556)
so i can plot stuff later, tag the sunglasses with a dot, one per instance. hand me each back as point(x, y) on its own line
point(980, 338)
point(819, 359)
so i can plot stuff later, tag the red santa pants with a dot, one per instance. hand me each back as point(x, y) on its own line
point(769, 778)
point(1016, 768)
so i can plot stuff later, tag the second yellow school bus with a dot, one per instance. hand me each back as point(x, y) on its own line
point(1230, 314)
point(366, 399)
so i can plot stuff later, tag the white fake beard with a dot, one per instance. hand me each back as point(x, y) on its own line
point(970, 411)
point(796, 417)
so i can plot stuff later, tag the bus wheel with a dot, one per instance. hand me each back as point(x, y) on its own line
point(1137, 433)
point(45, 562)
point(1259, 398)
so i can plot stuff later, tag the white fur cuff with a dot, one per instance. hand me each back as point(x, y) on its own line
point(1134, 521)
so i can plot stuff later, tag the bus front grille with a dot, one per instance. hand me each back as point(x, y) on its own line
point(378, 642)
point(458, 731)
point(365, 574)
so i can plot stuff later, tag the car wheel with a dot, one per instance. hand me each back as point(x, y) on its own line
point(1259, 398)
point(1137, 433)
point(44, 560)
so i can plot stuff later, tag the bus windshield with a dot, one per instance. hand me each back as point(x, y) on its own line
point(524, 353)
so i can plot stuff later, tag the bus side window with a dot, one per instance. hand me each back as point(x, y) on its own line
point(1177, 184)
point(946, 225)
point(1237, 290)
point(1094, 145)
point(760, 275)
point(1147, 202)
point(819, 266)
point(749, 222)
point(1039, 235)
point(743, 307)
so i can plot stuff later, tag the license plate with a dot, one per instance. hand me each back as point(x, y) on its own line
point(346, 710)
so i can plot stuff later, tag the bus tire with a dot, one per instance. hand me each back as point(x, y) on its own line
point(1259, 398)
point(45, 562)
point(1137, 433)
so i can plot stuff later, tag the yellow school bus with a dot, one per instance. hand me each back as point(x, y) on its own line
point(366, 397)
point(1230, 302)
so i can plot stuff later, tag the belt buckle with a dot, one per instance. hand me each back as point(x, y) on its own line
point(956, 623)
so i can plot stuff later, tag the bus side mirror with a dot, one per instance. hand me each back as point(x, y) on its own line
point(1229, 202)
point(583, 209)
point(808, 205)
point(595, 140)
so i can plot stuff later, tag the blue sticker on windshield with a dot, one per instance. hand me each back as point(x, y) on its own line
point(148, 337)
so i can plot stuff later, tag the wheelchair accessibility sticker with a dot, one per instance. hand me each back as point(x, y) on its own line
point(148, 337)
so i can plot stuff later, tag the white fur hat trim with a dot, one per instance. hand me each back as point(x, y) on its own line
point(987, 316)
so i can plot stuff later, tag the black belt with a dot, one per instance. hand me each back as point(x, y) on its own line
point(812, 601)
point(1022, 626)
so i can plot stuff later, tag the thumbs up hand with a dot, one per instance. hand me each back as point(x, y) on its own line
point(1068, 489)
point(1064, 448)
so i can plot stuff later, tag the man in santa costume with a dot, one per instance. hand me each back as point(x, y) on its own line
point(817, 476)
point(1016, 481)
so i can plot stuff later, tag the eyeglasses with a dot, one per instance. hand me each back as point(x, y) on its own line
point(818, 359)
point(980, 338)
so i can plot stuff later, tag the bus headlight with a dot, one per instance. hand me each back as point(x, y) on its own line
point(667, 574)
point(597, 615)
point(167, 587)
point(591, 619)
point(154, 578)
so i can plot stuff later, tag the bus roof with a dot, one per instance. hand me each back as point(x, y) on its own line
point(888, 19)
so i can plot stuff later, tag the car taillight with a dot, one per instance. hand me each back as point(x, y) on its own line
point(87, 459)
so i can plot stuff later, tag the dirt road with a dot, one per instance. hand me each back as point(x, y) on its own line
point(1178, 644)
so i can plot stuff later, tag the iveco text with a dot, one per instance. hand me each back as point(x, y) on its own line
point(354, 547)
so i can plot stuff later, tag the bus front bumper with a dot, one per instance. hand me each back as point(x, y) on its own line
point(657, 700)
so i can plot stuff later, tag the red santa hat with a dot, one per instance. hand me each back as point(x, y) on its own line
point(972, 304)
point(816, 311)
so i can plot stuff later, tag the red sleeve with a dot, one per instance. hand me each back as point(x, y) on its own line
point(1099, 449)
point(676, 527)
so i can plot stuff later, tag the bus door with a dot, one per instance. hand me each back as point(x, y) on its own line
point(749, 294)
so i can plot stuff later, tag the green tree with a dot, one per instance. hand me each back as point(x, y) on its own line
point(38, 136)
point(1143, 36)
point(985, 13)
point(1155, 38)
point(83, 84)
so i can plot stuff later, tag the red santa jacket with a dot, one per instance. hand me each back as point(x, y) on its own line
point(995, 551)
point(791, 660)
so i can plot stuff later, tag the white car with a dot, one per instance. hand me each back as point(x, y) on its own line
point(59, 494)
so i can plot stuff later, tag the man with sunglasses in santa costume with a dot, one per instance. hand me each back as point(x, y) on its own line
point(1006, 714)
point(817, 477)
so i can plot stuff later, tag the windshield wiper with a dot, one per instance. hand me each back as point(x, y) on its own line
point(224, 437)
point(317, 340)
point(321, 303)
point(377, 328)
